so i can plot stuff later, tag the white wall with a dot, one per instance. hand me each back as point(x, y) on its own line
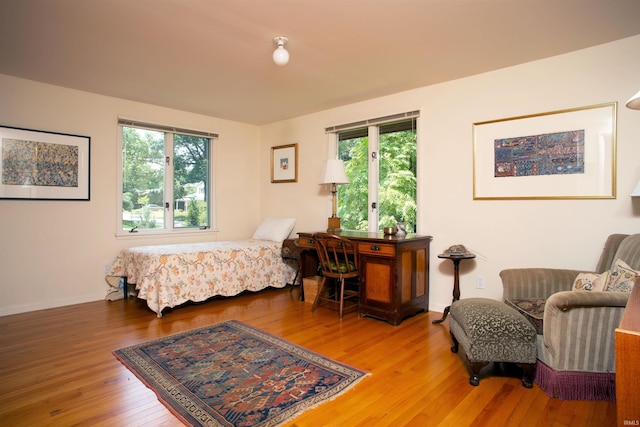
point(504, 233)
point(53, 253)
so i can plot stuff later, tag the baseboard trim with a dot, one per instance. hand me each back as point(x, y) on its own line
point(43, 305)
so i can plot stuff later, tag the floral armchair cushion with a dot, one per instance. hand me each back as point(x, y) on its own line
point(531, 308)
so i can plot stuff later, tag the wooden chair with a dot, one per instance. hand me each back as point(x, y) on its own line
point(338, 259)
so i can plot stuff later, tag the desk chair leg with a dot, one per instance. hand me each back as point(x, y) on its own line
point(341, 297)
point(320, 289)
point(294, 283)
point(338, 293)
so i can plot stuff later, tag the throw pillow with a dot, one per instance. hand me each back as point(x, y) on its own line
point(621, 278)
point(590, 282)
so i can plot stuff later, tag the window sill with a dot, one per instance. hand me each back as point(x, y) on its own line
point(163, 234)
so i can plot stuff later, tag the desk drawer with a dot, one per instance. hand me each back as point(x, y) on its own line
point(377, 249)
point(307, 242)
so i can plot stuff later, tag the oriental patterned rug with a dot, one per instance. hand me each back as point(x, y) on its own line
point(231, 374)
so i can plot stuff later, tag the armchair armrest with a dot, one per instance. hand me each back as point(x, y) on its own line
point(567, 300)
point(536, 282)
point(579, 330)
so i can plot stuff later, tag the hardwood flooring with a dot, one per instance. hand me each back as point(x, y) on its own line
point(56, 368)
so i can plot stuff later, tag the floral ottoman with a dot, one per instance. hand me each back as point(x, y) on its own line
point(491, 331)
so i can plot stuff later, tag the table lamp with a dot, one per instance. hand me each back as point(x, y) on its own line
point(634, 102)
point(333, 173)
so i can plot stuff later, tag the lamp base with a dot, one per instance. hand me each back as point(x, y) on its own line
point(333, 225)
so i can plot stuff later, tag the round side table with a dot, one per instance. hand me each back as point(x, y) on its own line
point(456, 258)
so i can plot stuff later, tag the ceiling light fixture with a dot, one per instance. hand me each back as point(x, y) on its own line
point(280, 55)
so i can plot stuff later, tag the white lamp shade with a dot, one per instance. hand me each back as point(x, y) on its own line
point(333, 172)
point(634, 102)
point(281, 56)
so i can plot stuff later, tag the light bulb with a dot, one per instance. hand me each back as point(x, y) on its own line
point(281, 56)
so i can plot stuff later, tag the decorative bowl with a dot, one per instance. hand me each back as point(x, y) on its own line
point(390, 231)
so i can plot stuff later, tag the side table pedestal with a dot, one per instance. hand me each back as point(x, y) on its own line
point(456, 258)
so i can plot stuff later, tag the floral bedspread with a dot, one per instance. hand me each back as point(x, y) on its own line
point(170, 275)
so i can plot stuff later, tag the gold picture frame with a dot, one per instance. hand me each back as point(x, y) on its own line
point(284, 163)
point(564, 154)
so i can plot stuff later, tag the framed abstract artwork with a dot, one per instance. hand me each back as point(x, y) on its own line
point(284, 163)
point(565, 154)
point(42, 165)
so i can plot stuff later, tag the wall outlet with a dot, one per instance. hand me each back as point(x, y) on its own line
point(106, 268)
point(480, 282)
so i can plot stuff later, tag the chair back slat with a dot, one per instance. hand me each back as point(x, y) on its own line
point(338, 256)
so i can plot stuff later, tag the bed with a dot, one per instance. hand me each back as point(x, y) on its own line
point(167, 276)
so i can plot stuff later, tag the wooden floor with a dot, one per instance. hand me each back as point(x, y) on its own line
point(56, 368)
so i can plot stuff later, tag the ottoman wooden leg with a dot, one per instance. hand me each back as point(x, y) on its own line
point(474, 380)
point(454, 349)
point(527, 374)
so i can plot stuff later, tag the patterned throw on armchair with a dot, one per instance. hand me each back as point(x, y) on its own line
point(575, 314)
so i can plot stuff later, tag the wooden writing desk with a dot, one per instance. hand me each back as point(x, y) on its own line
point(394, 272)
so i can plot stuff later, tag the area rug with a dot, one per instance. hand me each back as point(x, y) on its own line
point(231, 374)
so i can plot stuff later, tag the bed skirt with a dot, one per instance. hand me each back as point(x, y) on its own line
point(170, 275)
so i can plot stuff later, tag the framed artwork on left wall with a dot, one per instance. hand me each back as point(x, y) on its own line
point(284, 163)
point(41, 165)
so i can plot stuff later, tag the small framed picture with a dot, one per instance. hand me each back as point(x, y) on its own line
point(284, 163)
point(40, 165)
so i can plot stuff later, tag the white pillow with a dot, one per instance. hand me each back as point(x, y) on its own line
point(275, 229)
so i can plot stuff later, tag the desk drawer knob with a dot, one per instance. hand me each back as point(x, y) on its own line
point(310, 241)
point(375, 248)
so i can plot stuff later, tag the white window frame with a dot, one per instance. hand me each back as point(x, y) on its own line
point(168, 228)
point(374, 165)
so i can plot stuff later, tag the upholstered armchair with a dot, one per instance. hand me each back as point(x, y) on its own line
point(576, 328)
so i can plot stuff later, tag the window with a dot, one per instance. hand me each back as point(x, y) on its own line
point(165, 179)
point(380, 160)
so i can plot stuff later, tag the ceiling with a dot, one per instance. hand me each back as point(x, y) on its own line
point(213, 57)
